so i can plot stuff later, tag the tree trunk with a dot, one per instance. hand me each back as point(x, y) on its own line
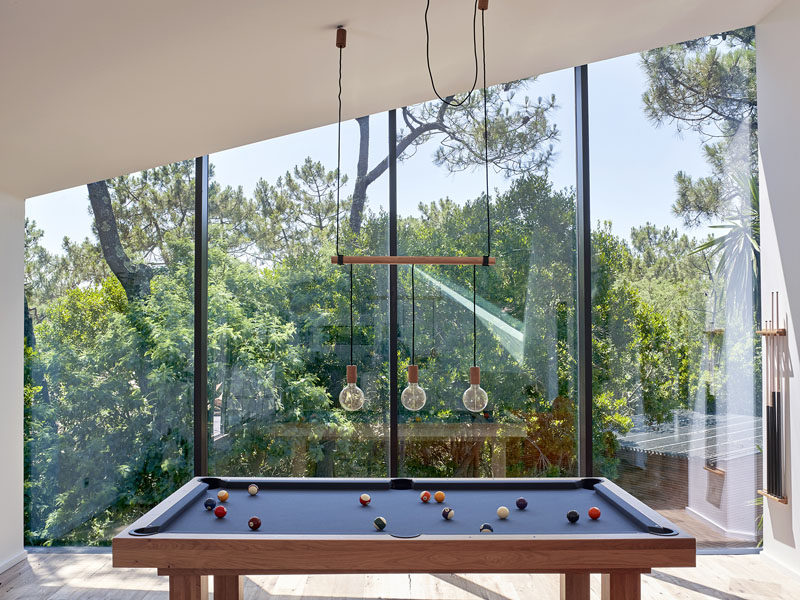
point(362, 181)
point(134, 277)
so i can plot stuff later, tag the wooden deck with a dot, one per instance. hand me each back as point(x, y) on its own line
point(60, 575)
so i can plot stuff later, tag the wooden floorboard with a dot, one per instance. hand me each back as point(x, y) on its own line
point(67, 576)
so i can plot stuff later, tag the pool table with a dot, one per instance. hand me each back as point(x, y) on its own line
point(320, 526)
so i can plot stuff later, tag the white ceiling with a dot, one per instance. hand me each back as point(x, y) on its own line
point(96, 88)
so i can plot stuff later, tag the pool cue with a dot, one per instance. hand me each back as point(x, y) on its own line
point(778, 409)
point(768, 403)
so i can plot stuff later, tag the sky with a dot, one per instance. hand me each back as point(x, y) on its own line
point(632, 163)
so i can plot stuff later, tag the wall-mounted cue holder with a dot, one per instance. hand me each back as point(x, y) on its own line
point(773, 369)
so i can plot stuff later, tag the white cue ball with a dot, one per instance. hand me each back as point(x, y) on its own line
point(502, 512)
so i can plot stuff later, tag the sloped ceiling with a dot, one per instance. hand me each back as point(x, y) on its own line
point(93, 88)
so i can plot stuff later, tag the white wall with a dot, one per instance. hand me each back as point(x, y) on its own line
point(12, 241)
point(779, 136)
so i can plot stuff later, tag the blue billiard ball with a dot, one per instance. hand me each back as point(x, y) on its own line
point(522, 503)
point(210, 503)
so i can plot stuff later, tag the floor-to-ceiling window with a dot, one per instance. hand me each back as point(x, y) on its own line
point(525, 304)
point(108, 343)
point(279, 311)
point(675, 303)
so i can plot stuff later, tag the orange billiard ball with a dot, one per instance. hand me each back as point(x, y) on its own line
point(222, 495)
point(439, 496)
point(594, 513)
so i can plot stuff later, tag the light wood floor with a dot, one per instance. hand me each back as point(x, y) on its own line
point(63, 576)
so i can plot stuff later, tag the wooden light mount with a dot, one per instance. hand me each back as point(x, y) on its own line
point(414, 260)
point(341, 37)
point(483, 4)
point(474, 375)
point(352, 374)
point(413, 374)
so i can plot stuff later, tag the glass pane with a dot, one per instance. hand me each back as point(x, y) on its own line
point(675, 294)
point(279, 311)
point(108, 379)
point(525, 305)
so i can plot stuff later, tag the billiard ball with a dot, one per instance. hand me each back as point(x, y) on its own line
point(252, 489)
point(486, 528)
point(502, 512)
point(594, 513)
point(572, 516)
point(522, 504)
point(425, 496)
point(254, 523)
point(448, 513)
point(439, 497)
point(364, 499)
point(210, 503)
point(380, 523)
point(220, 511)
point(222, 495)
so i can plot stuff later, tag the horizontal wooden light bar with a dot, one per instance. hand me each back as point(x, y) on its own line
point(412, 260)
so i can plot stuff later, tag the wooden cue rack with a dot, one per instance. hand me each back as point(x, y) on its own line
point(774, 335)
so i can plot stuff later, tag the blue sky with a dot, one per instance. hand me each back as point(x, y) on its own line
point(632, 162)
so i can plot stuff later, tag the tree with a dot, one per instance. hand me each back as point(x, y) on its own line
point(520, 137)
point(707, 85)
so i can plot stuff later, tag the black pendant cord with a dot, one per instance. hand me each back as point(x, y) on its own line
point(339, 155)
point(351, 314)
point(486, 139)
point(474, 322)
point(413, 317)
point(474, 49)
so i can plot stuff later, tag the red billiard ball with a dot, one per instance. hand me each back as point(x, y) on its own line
point(425, 496)
point(594, 513)
point(220, 511)
point(364, 499)
point(254, 523)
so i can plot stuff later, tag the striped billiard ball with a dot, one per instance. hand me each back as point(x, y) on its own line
point(252, 489)
point(364, 499)
point(448, 513)
point(425, 496)
point(223, 495)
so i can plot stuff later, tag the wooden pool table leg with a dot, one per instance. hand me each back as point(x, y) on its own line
point(228, 587)
point(188, 587)
point(575, 586)
point(622, 585)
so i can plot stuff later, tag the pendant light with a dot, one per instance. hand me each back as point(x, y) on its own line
point(413, 397)
point(351, 397)
point(474, 398)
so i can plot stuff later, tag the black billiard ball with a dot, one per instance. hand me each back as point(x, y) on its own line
point(486, 528)
point(572, 516)
point(522, 503)
point(254, 523)
point(210, 503)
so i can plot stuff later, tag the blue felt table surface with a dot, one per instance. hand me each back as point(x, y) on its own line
point(329, 510)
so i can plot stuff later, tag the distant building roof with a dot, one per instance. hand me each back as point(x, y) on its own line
point(714, 437)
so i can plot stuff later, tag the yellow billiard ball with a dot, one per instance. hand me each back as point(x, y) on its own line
point(502, 512)
point(439, 496)
point(222, 495)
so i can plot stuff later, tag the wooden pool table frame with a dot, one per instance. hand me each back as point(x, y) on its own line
point(187, 559)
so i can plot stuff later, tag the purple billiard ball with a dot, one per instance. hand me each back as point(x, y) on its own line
point(522, 504)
